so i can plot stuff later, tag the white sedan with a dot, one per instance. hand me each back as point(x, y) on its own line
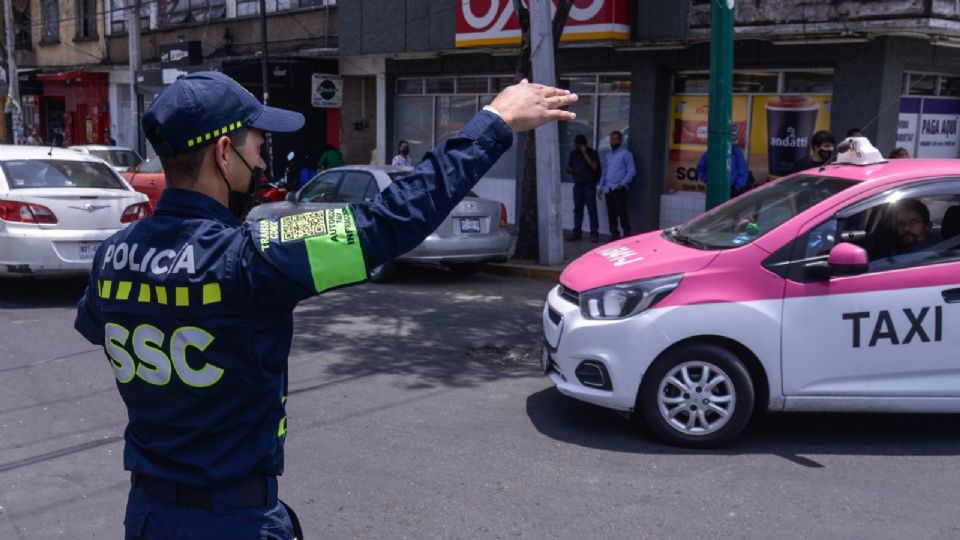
point(56, 206)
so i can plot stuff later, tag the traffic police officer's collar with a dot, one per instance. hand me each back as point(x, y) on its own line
point(193, 204)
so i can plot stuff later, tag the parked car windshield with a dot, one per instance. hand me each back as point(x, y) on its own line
point(52, 173)
point(756, 213)
point(118, 158)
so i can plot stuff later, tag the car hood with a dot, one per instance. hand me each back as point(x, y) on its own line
point(638, 257)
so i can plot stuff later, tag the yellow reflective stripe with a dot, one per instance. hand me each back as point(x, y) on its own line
point(282, 430)
point(105, 288)
point(211, 293)
point(183, 296)
point(123, 290)
point(161, 295)
point(144, 293)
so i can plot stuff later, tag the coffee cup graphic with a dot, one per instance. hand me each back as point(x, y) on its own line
point(791, 121)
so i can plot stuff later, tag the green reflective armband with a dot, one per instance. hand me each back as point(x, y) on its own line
point(331, 243)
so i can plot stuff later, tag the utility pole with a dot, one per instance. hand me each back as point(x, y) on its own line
point(265, 80)
point(549, 226)
point(136, 100)
point(721, 101)
point(13, 80)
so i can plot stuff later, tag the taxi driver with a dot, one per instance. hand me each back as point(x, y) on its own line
point(913, 226)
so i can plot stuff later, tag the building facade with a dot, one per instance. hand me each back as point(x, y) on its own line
point(891, 69)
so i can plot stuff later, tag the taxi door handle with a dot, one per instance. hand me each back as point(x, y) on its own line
point(951, 296)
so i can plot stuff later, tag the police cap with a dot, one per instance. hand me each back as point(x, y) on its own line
point(199, 108)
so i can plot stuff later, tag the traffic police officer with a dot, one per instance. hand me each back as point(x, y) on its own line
point(194, 308)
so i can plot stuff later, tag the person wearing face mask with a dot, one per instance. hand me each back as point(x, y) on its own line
point(194, 308)
point(821, 150)
point(402, 159)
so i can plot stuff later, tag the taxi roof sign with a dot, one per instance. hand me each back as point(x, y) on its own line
point(858, 151)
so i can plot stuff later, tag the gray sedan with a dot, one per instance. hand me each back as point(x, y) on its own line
point(474, 233)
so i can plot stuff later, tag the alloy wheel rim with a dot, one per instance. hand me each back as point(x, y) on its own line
point(696, 398)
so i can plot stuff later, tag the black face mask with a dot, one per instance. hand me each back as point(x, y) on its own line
point(825, 155)
point(240, 202)
point(404, 150)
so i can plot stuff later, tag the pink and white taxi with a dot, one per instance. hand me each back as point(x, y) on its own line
point(829, 290)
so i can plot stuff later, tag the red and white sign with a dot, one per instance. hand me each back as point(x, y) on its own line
point(494, 22)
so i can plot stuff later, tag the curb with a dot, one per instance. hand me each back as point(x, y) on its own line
point(524, 270)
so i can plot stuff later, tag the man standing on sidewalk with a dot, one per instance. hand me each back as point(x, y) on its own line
point(618, 172)
point(584, 165)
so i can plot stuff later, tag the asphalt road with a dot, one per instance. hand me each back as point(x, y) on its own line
point(416, 412)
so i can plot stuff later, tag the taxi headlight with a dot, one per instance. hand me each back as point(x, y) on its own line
point(626, 299)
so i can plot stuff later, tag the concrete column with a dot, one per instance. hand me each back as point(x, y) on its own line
point(649, 112)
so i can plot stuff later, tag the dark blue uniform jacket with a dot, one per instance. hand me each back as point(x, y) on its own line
point(195, 309)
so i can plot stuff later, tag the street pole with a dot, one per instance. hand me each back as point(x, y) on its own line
point(13, 80)
point(265, 80)
point(136, 100)
point(549, 226)
point(721, 101)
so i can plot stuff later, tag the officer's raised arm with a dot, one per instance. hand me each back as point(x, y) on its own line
point(331, 248)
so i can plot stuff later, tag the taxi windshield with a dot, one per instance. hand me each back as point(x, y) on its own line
point(756, 213)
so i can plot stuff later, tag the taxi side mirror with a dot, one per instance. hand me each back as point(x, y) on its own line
point(845, 259)
point(292, 196)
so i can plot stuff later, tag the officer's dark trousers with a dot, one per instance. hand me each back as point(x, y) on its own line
point(151, 518)
point(585, 194)
point(617, 211)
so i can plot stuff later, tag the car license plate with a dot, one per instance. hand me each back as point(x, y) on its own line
point(471, 225)
point(544, 358)
point(88, 250)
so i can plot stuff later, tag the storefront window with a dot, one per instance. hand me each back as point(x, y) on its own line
point(754, 82)
point(691, 83)
point(808, 82)
point(615, 84)
point(950, 86)
point(580, 84)
point(613, 115)
point(472, 85)
point(415, 124)
point(920, 84)
point(499, 83)
point(774, 115)
point(439, 86)
point(583, 125)
point(410, 86)
point(453, 113)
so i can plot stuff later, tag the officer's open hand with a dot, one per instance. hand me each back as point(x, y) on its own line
point(526, 105)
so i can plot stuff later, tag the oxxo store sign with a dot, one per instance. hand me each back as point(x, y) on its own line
point(494, 22)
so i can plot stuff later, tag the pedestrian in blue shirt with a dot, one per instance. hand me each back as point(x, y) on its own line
point(618, 172)
point(194, 308)
point(738, 170)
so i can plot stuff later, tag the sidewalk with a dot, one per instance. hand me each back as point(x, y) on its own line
point(532, 269)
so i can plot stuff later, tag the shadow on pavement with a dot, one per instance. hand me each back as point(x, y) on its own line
point(437, 328)
point(786, 435)
point(31, 293)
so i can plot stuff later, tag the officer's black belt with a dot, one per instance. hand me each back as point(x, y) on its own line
point(251, 493)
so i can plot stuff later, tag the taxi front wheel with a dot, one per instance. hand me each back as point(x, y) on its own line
point(697, 395)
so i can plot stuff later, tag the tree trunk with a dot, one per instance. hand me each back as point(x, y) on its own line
point(528, 241)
